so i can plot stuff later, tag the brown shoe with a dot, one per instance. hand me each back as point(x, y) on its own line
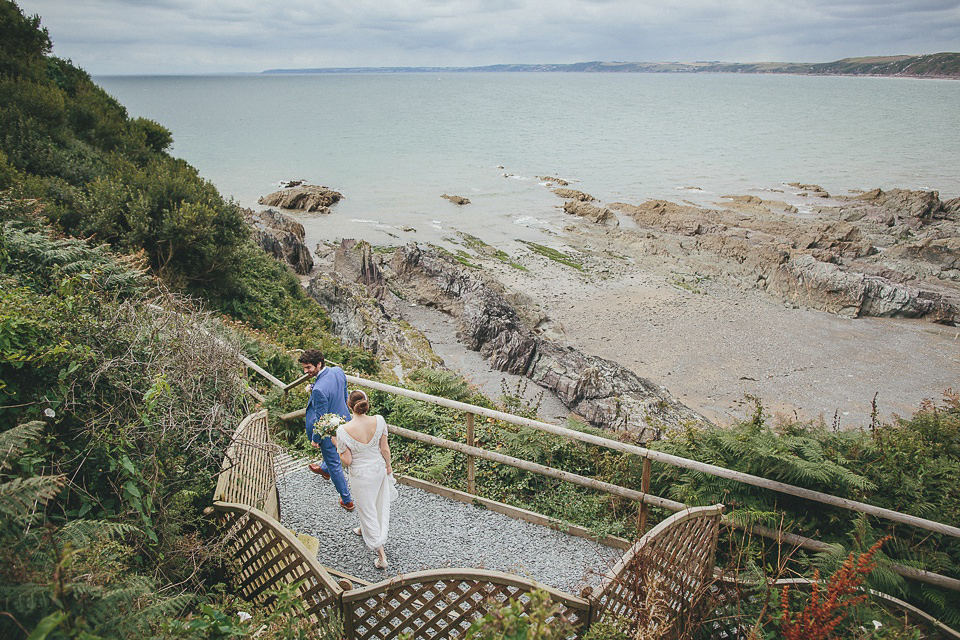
point(318, 469)
point(346, 505)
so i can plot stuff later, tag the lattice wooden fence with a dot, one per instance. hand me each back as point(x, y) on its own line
point(675, 558)
point(660, 582)
point(247, 475)
point(268, 556)
point(442, 603)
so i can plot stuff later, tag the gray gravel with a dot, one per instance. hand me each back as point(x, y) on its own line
point(428, 531)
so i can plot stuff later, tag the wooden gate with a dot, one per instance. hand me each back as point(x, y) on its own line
point(247, 475)
point(660, 582)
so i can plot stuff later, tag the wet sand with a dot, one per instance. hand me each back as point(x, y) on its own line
point(712, 344)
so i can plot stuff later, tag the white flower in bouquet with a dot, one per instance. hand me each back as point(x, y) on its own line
point(326, 425)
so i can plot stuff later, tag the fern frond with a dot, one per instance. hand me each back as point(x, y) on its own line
point(13, 441)
point(19, 497)
point(26, 597)
point(165, 608)
point(82, 533)
point(442, 383)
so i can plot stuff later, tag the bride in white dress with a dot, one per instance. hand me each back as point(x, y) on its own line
point(363, 448)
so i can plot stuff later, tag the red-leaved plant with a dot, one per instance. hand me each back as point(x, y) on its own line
point(825, 611)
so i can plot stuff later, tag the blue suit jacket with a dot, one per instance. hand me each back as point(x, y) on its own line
point(329, 395)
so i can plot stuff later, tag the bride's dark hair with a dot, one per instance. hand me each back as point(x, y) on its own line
point(357, 403)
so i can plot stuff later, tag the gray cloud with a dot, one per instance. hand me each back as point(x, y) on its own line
point(209, 36)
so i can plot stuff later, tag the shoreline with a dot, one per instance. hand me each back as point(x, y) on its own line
point(713, 344)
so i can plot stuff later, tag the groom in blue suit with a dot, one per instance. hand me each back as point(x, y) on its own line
point(329, 395)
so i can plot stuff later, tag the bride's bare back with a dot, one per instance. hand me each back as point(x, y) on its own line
point(362, 428)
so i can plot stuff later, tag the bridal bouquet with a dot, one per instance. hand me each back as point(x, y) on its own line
point(326, 425)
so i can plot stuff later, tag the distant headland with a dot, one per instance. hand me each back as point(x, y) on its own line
point(935, 65)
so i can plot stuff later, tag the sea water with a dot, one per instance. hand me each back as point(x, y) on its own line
point(392, 144)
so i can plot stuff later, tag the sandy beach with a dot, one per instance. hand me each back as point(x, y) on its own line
point(716, 344)
point(713, 341)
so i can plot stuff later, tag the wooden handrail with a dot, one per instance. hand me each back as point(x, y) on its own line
point(540, 469)
point(677, 461)
point(669, 459)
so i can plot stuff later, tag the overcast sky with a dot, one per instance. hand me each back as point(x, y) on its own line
point(212, 36)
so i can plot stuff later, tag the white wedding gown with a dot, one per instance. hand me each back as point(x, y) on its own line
point(371, 487)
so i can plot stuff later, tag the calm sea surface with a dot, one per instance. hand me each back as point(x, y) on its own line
point(393, 143)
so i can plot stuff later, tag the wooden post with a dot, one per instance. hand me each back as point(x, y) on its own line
point(471, 464)
point(644, 488)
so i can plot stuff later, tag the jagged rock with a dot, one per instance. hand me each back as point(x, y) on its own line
point(831, 262)
point(923, 205)
point(354, 261)
point(280, 236)
point(362, 320)
point(811, 189)
point(759, 204)
point(951, 208)
point(303, 198)
point(460, 200)
point(600, 215)
point(826, 286)
point(573, 194)
point(603, 392)
point(558, 181)
point(942, 253)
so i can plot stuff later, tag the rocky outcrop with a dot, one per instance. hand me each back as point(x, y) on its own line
point(280, 236)
point(811, 189)
point(822, 285)
point(593, 213)
point(459, 200)
point(303, 198)
point(922, 205)
point(888, 254)
point(553, 180)
point(573, 194)
point(370, 321)
point(603, 392)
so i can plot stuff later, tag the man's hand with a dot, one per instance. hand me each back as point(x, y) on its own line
point(315, 445)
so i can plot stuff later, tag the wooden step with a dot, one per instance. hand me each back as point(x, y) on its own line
point(311, 543)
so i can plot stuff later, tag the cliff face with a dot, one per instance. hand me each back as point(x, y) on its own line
point(366, 313)
point(282, 237)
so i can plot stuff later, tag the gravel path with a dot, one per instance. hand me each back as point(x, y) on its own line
point(428, 531)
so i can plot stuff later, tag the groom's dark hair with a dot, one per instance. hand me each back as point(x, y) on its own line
point(312, 356)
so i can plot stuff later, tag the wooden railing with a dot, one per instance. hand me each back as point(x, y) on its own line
point(267, 556)
point(643, 497)
point(443, 603)
point(440, 603)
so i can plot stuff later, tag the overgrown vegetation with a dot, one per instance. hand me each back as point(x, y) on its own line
point(118, 393)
